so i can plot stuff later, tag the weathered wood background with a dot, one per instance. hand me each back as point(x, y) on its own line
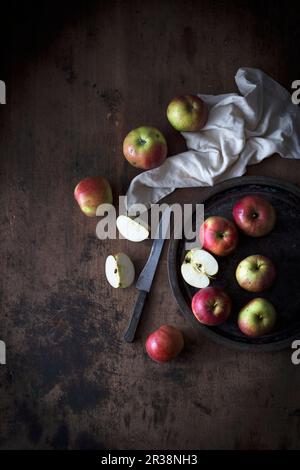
point(79, 76)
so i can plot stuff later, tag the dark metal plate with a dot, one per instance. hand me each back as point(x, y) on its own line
point(281, 246)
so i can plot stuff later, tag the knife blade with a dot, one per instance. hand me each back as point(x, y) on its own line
point(146, 277)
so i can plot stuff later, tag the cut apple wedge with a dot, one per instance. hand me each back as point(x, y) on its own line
point(119, 270)
point(131, 229)
point(198, 267)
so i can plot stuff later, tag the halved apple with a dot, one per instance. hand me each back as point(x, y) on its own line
point(198, 267)
point(119, 270)
point(132, 229)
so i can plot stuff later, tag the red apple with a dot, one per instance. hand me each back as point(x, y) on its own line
point(145, 147)
point(254, 215)
point(255, 273)
point(91, 192)
point(218, 235)
point(257, 318)
point(211, 306)
point(187, 113)
point(164, 344)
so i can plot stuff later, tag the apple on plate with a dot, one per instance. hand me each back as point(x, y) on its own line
point(187, 113)
point(211, 306)
point(119, 270)
point(198, 268)
point(218, 235)
point(164, 344)
point(257, 318)
point(132, 229)
point(145, 148)
point(91, 192)
point(255, 273)
point(254, 215)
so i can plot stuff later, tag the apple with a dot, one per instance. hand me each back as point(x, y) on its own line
point(257, 318)
point(91, 192)
point(187, 113)
point(119, 270)
point(254, 215)
point(145, 147)
point(218, 235)
point(198, 267)
point(255, 273)
point(164, 344)
point(211, 306)
point(132, 229)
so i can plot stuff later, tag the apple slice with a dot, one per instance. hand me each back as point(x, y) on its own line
point(119, 270)
point(131, 229)
point(198, 267)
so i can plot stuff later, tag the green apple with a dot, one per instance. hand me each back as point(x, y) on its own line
point(187, 113)
point(119, 270)
point(257, 318)
point(255, 273)
point(145, 147)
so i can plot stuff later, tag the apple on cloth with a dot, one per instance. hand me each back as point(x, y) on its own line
point(242, 129)
point(187, 113)
point(257, 318)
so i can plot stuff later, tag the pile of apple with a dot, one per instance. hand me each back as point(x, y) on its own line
point(255, 217)
point(144, 148)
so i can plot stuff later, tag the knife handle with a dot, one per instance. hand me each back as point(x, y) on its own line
point(135, 317)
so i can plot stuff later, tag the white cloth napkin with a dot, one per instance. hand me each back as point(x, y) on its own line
point(242, 129)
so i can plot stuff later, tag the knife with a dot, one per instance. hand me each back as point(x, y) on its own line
point(146, 277)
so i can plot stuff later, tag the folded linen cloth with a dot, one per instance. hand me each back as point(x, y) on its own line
point(242, 129)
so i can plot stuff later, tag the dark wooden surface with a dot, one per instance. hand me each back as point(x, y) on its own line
point(78, 79)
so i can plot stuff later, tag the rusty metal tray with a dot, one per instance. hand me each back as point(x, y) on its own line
point(282, 246)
